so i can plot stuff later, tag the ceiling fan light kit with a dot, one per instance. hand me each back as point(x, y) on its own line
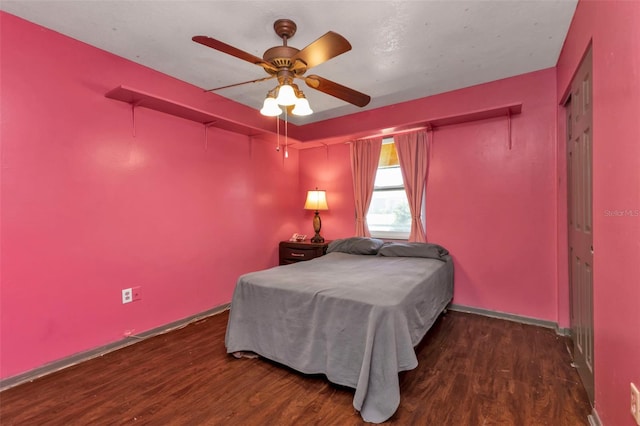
point(287, 63)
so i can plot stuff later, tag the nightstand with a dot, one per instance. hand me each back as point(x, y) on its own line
point(292, 251)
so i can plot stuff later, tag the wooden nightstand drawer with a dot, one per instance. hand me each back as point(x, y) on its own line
point(292, 252)
point(298, 253)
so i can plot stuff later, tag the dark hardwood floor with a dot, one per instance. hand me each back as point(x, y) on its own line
point(473, 370)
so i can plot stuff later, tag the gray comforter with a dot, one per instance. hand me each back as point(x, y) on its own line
point(354, 318)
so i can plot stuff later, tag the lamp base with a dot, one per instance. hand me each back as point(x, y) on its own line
point(317, 225)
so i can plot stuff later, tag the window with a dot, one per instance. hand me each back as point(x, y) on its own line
point(389, 215)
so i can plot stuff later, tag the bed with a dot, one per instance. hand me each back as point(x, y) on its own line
point(354, 314)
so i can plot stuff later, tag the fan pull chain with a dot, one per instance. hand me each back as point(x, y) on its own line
point(278, 134)
point(286, 133)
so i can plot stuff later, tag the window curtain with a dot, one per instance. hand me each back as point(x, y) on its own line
point(365, 154)
point(413, 150)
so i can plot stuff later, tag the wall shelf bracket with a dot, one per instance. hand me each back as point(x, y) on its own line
point(206, 133)
point(509, 128)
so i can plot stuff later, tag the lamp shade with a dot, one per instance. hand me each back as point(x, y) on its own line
point(270, 107)
point(316, 200)
point(302, 107)
point(286, 95)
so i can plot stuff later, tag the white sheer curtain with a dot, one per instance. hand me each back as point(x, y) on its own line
point(365, 155)
point(413, 150)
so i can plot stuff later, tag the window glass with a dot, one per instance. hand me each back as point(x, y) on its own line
point(389, 215)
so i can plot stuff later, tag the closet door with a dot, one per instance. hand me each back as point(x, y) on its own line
point(579, 158)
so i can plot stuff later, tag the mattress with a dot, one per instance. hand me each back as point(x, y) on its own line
point(354, 318)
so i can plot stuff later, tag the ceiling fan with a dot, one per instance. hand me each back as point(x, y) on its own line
point(287, 63)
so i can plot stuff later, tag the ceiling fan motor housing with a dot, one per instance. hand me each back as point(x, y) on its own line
point(280, 56)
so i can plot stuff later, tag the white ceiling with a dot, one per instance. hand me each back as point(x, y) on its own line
point(402, 50)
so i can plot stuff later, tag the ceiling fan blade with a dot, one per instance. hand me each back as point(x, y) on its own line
point(339, 91)
point(233, 51)
point(240, 84)
point(326, 47)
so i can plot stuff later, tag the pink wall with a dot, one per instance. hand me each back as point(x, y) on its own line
point(493, 208)
point(613, 27)
point(329, 168)
point(87, 209)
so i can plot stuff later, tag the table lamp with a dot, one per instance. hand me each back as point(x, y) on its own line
point(316, 200)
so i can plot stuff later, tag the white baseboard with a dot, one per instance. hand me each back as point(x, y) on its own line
point(511, 317)
point(593, 418)
point(102, 350)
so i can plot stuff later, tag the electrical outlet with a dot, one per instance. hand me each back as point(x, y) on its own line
point(127, 295)
point(635, 403)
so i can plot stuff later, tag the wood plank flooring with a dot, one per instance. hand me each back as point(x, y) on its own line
point(473, 370)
